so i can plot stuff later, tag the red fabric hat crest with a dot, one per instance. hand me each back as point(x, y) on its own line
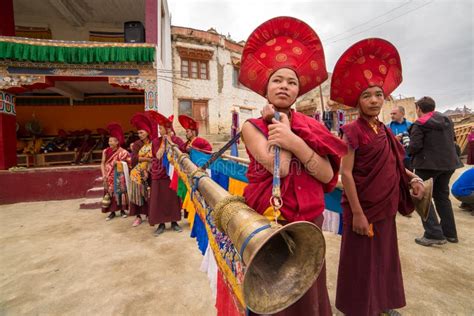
point(283, 42)
point(142, 121)
point(368, 63)
point(160, 119)
point(115, 130)
point(188, 122)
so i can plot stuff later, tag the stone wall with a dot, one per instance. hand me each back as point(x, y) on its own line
point(408, 104)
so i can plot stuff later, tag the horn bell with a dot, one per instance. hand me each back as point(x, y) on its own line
point(282, 262)
point(422, 207)
point(283, 267)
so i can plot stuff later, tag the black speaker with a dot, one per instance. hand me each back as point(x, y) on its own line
point(134, 32)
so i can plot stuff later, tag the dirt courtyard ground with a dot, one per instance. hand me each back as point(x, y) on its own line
point(59, 260)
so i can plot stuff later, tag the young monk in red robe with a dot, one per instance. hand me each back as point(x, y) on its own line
point(165, 205)
point(192, 131)
point(283, 59)
point(376, 183)
point(114, 174)
point(141, 159)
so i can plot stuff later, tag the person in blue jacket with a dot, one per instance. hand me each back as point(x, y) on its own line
point(463, 190)
point(400, 126)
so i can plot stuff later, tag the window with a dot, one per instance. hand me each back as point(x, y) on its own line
point(185, 107)
point(198, 110)
point(194, 69)
point(235, 77)
point(203, 72)
point(184, 69)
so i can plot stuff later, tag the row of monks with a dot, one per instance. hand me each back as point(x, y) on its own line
point(137, 181)
point(82, 142)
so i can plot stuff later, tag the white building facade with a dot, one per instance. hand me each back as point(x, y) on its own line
point(205, 85)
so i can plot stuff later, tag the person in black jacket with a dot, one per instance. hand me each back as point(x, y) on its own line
point(433, 153)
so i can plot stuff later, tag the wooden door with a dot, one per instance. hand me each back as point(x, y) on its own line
point(200, 114)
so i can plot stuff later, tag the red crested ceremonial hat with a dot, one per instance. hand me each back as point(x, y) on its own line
point(368, 63)
point(141, 121)
point(283, 42)
point(188, 122)
point(115, 130)
point(160, 119)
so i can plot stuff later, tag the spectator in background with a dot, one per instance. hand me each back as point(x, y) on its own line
point(470, 147)
point(463, 190)
point(434, 156)
point(400, 126)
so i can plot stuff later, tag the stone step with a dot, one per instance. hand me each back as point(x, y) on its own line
point(91, 204)
point(95, 192)
point(98, 181)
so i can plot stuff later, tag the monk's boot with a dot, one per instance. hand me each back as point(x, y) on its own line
point(110, 217)
point(160, 230)
point(175, 227)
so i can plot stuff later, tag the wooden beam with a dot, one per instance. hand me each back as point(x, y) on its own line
point(65, 90)
point(68, 12)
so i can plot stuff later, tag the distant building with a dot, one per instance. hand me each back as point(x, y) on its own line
point(461, 115)
point(205, 80)
point(76, 65)
point(312, 103)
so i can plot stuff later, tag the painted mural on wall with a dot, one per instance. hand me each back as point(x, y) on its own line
point(6, 104)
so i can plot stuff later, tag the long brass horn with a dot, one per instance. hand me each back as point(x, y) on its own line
point(282, 262)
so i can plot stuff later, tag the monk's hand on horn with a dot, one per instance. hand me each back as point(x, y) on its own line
point(280, 134)
point(417, 190)
point(268, 112)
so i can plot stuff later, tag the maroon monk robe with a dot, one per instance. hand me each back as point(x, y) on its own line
point(111, 158)
point(303, 197)
point(135, 146)
point(85, 148)
point(370, 278)
point(470, 149)
point(296, 206)
point(165, 205)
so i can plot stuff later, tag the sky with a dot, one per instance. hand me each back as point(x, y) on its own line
point(435, 38)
